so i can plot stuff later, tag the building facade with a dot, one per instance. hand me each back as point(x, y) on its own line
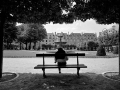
point(77, 39)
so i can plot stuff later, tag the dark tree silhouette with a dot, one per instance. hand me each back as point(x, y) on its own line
point(10, 34)
point(91, 45)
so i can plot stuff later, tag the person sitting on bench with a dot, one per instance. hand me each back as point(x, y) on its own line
point(60, 58)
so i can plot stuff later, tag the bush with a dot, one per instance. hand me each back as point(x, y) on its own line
point(115, 50)
point(101, 51)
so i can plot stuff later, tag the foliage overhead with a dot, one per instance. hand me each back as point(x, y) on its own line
point(104, 11)
point(45, 11)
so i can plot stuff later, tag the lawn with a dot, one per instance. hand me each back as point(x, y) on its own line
point(87, 81)
point(30, 53)
point(18, 53)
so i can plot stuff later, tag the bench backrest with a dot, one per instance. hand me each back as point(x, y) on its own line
point(53, 55)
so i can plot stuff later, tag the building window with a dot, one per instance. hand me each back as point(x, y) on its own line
point(50, 37)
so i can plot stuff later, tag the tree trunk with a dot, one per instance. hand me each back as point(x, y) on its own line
point(20, 45)
point(119, 55)
point(26, 46)
point(3, 18)
point(34, 45)
point(30, 46)
point(11, 48)
point(39, 46)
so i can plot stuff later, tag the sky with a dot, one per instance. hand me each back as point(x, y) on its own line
point(90, 26)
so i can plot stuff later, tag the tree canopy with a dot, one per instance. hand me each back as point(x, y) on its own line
point(45, 11)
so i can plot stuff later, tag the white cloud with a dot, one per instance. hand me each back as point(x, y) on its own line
point(90, 26)
point(109, 26)
point(62, 27)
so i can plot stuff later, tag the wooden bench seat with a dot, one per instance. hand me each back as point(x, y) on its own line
point(55, 66)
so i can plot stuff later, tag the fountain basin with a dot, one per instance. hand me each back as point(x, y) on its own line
point(54, 51)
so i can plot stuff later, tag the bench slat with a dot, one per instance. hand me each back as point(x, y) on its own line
point(55, 66)
point(50, 55)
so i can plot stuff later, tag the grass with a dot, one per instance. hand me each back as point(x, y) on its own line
point(32, 54)
point(87, 81)
point(18, 53)
point(115, 77)
point(112, 75)
point(7, 76)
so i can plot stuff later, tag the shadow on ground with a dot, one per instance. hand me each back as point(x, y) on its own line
point(87, 81)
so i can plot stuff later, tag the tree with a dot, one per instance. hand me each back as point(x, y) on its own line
point(10, 34)
point(91, 45)
point(101, 40)
point(45, 11)
point(115, 39)
point(36, 32)
point(29, 33)
point(109, 39)
point(22, 35)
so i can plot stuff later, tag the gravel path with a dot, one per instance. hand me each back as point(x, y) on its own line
point(94, 65)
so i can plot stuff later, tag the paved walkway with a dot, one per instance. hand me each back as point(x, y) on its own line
point(94, 65)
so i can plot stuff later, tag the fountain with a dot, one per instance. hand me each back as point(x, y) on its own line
point(60, 42)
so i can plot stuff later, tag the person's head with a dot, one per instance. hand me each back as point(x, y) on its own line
point(60, 49)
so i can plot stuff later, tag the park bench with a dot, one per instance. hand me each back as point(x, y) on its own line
point(46, 66)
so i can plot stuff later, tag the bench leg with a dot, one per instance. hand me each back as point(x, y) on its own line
point(59, 69)
point(43, 69)
point(78, 71)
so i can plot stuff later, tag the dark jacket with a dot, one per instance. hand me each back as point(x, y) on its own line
point(60, 54)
